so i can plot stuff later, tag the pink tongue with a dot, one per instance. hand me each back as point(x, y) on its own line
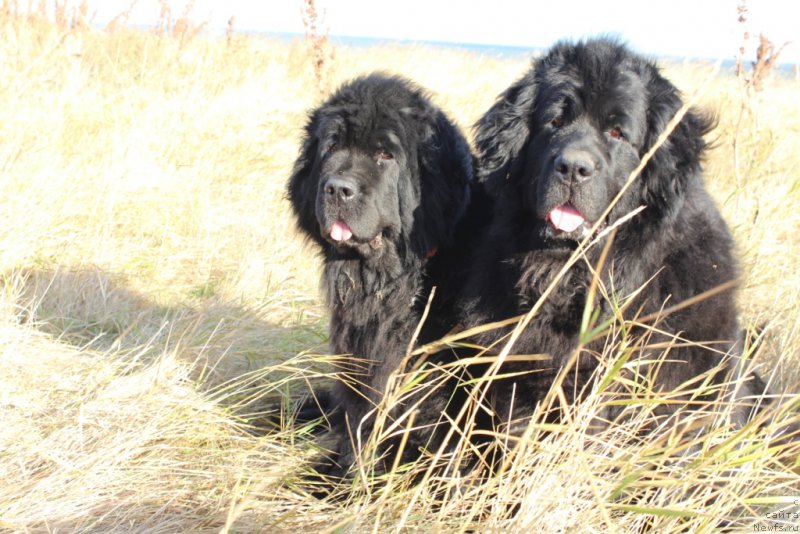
point(566, 218)
point(340, 231)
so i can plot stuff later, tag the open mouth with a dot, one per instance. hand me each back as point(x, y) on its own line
point(566, 218)
point(565, 222)
point(341, 234)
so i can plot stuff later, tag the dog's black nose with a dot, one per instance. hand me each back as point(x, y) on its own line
point(340, 188)
point(575, 165)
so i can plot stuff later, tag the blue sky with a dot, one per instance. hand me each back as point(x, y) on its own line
point(680, 28)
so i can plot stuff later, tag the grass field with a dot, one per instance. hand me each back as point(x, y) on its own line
point(156, 300)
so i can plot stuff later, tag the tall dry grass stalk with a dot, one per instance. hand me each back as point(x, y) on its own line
point(158, 311)
point(183, 27)
point(320, 50)
point(752, 80)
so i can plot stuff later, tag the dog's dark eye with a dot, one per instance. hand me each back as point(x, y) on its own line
point(616, 133)
point(331, 148)
point(558, 122)
point(384, 155)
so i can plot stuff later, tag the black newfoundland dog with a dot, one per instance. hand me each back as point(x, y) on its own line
point(555, 150)
point(381, 183)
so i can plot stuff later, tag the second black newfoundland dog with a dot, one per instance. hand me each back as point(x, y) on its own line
point(381, 184)
point(555, 150)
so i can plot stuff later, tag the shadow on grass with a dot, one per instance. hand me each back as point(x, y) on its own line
point(236, 354)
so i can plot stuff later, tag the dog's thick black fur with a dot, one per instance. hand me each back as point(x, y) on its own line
point(554, 150)
point(381, 183)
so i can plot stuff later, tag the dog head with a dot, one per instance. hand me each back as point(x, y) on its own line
point(380, 164)
point(563, 140)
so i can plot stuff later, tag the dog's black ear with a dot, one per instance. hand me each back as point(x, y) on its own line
point(503, 131)
point(302, 185)
point(446, 170)
point(677, 163)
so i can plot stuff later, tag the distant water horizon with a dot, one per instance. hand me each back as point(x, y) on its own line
point(502, 51)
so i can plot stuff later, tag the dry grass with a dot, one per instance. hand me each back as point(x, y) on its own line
point(156, 300)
